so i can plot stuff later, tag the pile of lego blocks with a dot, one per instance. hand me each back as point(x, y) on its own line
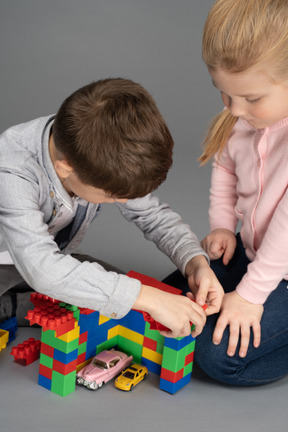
point(72, 336)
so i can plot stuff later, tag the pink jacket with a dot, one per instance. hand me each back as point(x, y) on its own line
point(249, 184)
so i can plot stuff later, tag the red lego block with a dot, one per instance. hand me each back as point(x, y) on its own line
point(189, 358)
point(171, 376)
point(83, 337)
point(47, 350)
point(49, 315)
point(45, 371)
point(86, 311)
point(149, 343)
point(64, 369)
point(81, 358)
point(147, 280)
point(27, 352)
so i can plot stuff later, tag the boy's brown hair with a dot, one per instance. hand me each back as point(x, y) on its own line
point(114, 137)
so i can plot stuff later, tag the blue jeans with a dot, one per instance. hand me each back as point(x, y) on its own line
point(262, 365)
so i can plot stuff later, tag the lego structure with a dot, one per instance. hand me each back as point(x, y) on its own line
point(71, 336)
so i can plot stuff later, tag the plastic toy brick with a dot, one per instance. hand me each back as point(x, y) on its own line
point(27, 352)
point(4, 337)
point(50, 315)
point(10, 325)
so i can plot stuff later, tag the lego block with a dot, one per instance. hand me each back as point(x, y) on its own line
point(47, 350)
point(131, 335)
point(10, 325)
point(49, 315)
point(171, 376)
point(46, 361)
point(63, 384)
point(45, 371)
point(63, 368)
point(4, 337)
point(171, 387)
point(27, 352)
point(71, 335)
point(152, 355)
point(44, 382)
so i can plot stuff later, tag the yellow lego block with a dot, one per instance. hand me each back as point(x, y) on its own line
point(152, 355)
point(4, 336)
point(131, 335)
point(71, 335)
point(113, 332)
point(103, 319)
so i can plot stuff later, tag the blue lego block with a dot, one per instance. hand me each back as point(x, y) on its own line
point(133, 321)
point(152, 366)
point(65, 358)
point(178, 343)
point(174, 387)
point(45, 382)
point(10, 325)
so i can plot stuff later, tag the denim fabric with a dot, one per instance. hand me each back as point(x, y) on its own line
point(261, 365)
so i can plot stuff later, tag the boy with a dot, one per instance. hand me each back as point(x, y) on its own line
point(107, 143)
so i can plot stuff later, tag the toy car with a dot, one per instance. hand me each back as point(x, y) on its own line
point(131, 376)
point(103, 367)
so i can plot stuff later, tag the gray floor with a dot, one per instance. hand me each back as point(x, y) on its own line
point(201, 406)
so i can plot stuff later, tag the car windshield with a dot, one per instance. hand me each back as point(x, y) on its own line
point(100, 364)
point(129, 374)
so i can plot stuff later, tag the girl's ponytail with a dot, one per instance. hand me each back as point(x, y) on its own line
point(217, 136)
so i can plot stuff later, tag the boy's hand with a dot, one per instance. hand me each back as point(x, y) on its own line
point(240, 315)
point(220, 242)
point(204, 285)
point(171, 310)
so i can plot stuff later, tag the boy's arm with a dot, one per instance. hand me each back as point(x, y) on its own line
point(40, 262)
point(167, 230)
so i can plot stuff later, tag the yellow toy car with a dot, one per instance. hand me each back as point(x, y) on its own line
point(131, 376)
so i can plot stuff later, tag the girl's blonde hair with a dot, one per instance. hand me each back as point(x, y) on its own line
point(239, 34)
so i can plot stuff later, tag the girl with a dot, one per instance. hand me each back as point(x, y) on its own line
point(245, 47)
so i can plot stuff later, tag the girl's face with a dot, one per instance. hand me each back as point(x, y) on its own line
point(252, 96)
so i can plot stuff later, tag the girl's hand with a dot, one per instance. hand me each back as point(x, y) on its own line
point(240, 315)
point(173, 311)
point(220, 242)
point(204, 285)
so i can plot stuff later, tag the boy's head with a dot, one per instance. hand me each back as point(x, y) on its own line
point(113, 136)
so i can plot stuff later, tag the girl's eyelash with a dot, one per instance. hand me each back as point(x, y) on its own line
point(253, 100)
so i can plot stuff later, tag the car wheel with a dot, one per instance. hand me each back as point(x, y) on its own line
point(131, 388)
point(100, 384)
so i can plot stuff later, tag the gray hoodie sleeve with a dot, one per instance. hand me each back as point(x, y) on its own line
point(165, 228)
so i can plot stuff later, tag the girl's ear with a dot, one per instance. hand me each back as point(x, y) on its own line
point(63, 169)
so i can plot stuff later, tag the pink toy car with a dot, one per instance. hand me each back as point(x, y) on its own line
point(103, 367)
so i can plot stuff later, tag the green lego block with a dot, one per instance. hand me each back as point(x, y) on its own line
point(108, 344)
point(82, 348)
point(153, 334)
point(46, 361)
point(74, 309)
point(49, 337)
point(188, 369)
point(173, 360)
point(63, 384)
point(131, 348)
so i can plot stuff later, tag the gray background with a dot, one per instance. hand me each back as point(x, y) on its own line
point(51, 48)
